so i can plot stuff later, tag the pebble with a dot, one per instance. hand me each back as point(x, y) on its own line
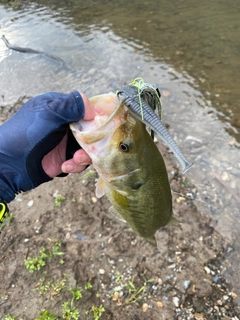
point(225, 176)
point(170, 260)
point(186, 284)
point(118, 288)
point(159, 304)
point(134, 242)
point(30, 203)
point(94, 199)
point(207, 270)
point(115, 296)
point(101, 271)
point(145, 307)
point(55, 194)
point(176, 301)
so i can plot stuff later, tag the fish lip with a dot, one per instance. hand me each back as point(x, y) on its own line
point(75, 126)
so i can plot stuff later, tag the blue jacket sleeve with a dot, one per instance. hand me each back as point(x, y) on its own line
point(35, 129)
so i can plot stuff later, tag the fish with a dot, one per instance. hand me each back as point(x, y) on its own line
point(131, 169)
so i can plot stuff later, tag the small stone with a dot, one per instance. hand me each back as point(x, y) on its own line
point(115, 296)
point(207, 270)
point(55, 194)
point(117, 289)
point(160, 282)
point(134, 242)
point(215, 278)
point(219, 302)
point(170, 260)
point(234, 295)
point(186, 284)
point(25, 240)
point(94, 199)
point(176, 301)
point(216, 308)
point(145, 307)
point(101, 271)
point(159, 304)
point(30, 203)
point(231, 142)
point(225, 176)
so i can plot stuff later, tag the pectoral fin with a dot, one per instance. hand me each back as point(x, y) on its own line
point(116, 214)
point(100, 188)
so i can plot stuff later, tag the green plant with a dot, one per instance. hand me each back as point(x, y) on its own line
point(69, 313)
point(88, 285)
point(57, 288)
point(9, 317)
point(35, 264)
point(133, 293)
point(58, 200)
point(49, 286)
point(97, 311)
point(76, 294)
point(46, 315)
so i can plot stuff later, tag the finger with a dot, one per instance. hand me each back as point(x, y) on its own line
point(81, 157)
point(70, 167)
point(89, 108)
point(77, 164)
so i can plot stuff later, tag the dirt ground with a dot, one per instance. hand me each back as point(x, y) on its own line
point(181, 279)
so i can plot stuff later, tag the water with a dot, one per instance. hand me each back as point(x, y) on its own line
point(191, 50)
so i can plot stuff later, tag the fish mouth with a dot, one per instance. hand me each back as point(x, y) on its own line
point(89, 133)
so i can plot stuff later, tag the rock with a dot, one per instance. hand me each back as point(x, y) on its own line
point(203, 289)
point(159, 304)
point(145, 307)
point(30, 203)
point(186, 284)
point(101, 271)
point(176, 301)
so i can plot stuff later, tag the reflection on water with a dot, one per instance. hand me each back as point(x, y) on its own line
point(190, 51)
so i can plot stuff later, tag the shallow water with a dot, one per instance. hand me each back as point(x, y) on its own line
point(190, 50)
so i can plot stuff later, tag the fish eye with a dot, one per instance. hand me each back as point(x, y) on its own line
point(124, 147)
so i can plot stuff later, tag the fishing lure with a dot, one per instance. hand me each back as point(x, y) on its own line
point(142, 99)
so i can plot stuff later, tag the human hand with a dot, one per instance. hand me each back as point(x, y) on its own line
point(54, 163)
point(36, 144)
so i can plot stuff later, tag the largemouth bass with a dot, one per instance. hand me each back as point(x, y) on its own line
point(131, 169)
